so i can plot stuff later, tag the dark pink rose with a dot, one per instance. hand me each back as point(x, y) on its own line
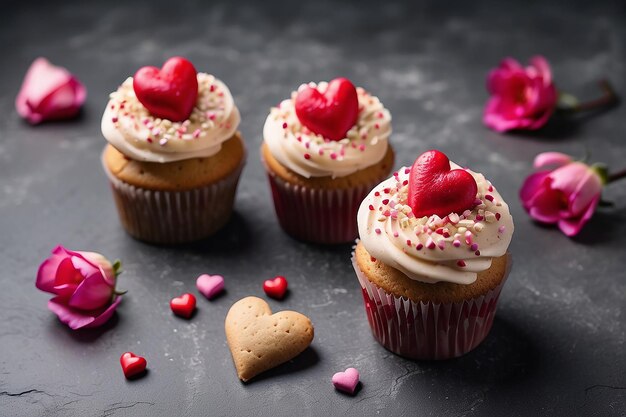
point(49, 93)
point(521, 98)
point(566, 196)
point(84, 285)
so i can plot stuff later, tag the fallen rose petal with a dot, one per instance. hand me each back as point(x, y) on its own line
point(49, 92)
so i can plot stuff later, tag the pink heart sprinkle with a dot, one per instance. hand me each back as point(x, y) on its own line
point(346, 381)
point(210, 285)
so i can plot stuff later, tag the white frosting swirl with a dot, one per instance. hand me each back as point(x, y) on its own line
point(130, 127)
point(312, 155)
point(431, 249)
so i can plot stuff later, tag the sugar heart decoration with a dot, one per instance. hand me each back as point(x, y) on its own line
point(330, 113)
point(210, 285)
point(259, 340)
point(346, 381)
point(170, 92)
point(132, 365)
point(184, 305)
point(276, 287)
point(435, 189)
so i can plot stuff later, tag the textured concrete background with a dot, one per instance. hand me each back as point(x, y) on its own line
point(557, 345)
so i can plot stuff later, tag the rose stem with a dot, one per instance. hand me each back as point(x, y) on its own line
point(616, 176)
point(609, 98)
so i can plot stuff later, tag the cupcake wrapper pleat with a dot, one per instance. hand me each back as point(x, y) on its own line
point(174, 216)
point(427, 330)
point(318, 215)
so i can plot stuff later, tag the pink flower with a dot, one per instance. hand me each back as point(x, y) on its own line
point(84, 285)
point(566, 196)
point(521, 98)
point(49, 92)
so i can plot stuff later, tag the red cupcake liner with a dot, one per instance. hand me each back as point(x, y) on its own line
point(315, 214)
point(174, 216)
point(427, 330)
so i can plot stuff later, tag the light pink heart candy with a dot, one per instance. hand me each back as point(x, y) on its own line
point(210, 285)
point(346, 381)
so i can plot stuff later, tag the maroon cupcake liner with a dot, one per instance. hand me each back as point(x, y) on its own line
point(315, 214)
point(174, 216)
point(428, 330)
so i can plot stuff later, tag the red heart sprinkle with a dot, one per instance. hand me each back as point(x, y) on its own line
point(329, 113)
point(132, 365)
point(435, 189)
point(275, 288)
point(170, 92)
point(184, 305)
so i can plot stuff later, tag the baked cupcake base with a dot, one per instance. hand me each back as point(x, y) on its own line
point(321, 210)
point(428, 321)
point(165, 208)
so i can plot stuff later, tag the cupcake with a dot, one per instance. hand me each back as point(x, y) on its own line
point(324, 149)
point(174, 155)
point(432, 258)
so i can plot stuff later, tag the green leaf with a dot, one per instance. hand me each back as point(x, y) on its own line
point(567, 101)
point(602, 170)
point(117, 267)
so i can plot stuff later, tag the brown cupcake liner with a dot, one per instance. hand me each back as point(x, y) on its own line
point(174, 216)
point(318, 215)
point(428, 330)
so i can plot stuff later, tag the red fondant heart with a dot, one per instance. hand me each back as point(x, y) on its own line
point(329, 113)
point(435, 189)
point(170, 92)
point(132, 365)
point(184, 305)
point(275, 288)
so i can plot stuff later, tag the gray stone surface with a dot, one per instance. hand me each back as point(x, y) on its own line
point(558, 343)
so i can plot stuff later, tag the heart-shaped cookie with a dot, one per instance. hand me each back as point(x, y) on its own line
point(170, 92)
point(330, 113)
point(435, 189)
point(132, 365)
point(260, 340)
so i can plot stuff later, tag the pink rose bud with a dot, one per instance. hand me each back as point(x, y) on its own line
point(84, 285)
point(566, 196)
point(521, 98)
point(49, 93)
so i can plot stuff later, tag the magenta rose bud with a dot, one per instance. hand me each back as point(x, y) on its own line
point(521, 98)
point(49, 93)
point(566, 196)
point(83, 284)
